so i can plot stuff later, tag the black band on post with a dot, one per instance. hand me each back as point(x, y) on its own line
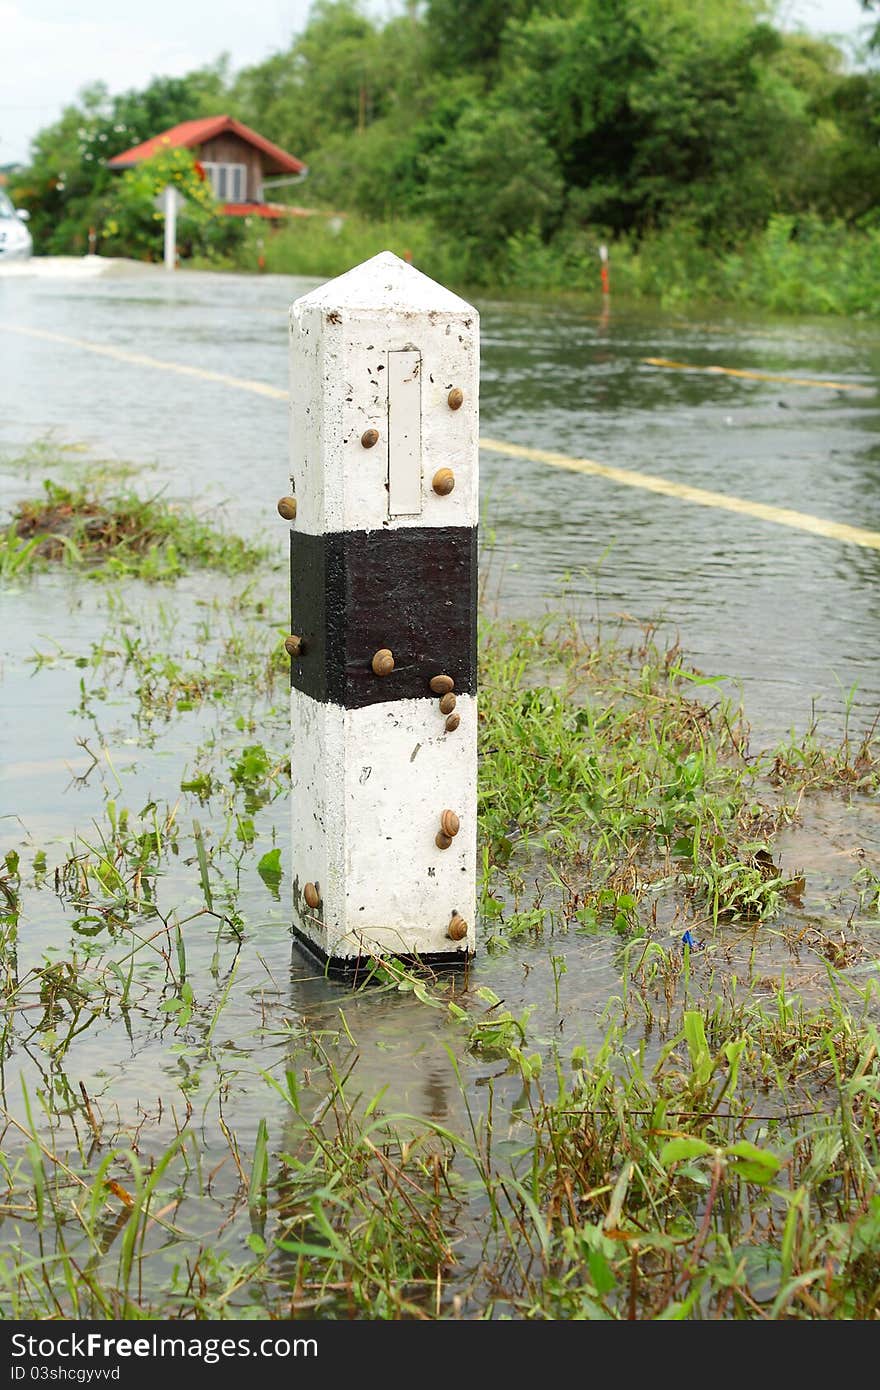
point(413, 591)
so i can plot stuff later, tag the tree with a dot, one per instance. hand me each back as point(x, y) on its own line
point(348, 97)
point(655, 109)
point(333, 79)
point(470, 33)
point(503, 119)
point(67, 177)
point(495, 177)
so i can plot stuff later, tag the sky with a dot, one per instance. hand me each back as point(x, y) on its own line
point(53, 48)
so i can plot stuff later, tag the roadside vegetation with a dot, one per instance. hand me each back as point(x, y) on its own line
point(659, 1078)
point(716, 153)
point(113, 536)
point(796, 265)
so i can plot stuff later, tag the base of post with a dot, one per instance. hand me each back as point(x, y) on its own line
point(349, 967)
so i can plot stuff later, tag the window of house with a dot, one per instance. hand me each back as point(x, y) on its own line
point(229, 181)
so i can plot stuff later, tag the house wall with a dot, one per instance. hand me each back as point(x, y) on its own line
point(231, 149)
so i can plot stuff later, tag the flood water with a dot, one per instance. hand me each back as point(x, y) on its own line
point(793, 620)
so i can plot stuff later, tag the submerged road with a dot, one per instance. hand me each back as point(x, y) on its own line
point(624, 477)
point(717, 479)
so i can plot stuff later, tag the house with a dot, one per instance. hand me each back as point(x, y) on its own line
point(240, 163)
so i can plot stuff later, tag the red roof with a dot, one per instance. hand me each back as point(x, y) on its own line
point(191, 133)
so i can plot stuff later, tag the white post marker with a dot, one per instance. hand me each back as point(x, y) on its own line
point(169, 200)
point(383, 511)
point(169, 208)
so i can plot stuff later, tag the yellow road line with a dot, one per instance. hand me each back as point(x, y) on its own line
point(625, 477)
point(723, 501)
point(756, 376)
point(140, 359)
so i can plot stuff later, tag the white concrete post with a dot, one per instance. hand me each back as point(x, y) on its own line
point(383, 511)
point(170, 211)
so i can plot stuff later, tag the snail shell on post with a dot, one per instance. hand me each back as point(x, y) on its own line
point(447, 704)
point(442, 841)
point(441, 685)
point(455, 398)
point(383, 662)
point(311, 895)
point(449, 823)
point(443, 482)
point(369, 438)
point(458, 928)
point(287, 508)
point(293, 645)
point(452, 723)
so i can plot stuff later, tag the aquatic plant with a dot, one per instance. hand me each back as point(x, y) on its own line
point(117, 536)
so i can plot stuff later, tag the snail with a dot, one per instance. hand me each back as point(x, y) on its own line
point(287, 508)
point(447, 703)
point(293, 645)
point(458, 927)
point(455, 398)
point(441, 840)
point(383, 662)
point(452, 723)
point(443, 482)
point(369, 438)
point(441, 685)
point(449, 823)
point(311, 895)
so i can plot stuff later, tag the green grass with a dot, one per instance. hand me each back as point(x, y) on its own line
point(698, 1139)
point(114, 536)
point(325, 245)
point(795, 265)
point(736, 1178)
point(600, 759)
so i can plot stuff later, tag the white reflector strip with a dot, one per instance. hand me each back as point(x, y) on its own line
point(404, 433)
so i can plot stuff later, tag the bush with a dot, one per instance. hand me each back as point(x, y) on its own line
point(133, 225)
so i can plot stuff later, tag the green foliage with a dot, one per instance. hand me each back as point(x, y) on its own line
point(704, 1145)
point(794, 265)
point(324, 246)
point(67, 177)
point(501, 141)
point(269, 869)
point(338, 76)
point(115, 537)
point(521, 135)
point(660, 109)
point(133, 224)
point(495, 178)
point(470, 33)
point(259, 776)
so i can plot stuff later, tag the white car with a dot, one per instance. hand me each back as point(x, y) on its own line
point(16, 243)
